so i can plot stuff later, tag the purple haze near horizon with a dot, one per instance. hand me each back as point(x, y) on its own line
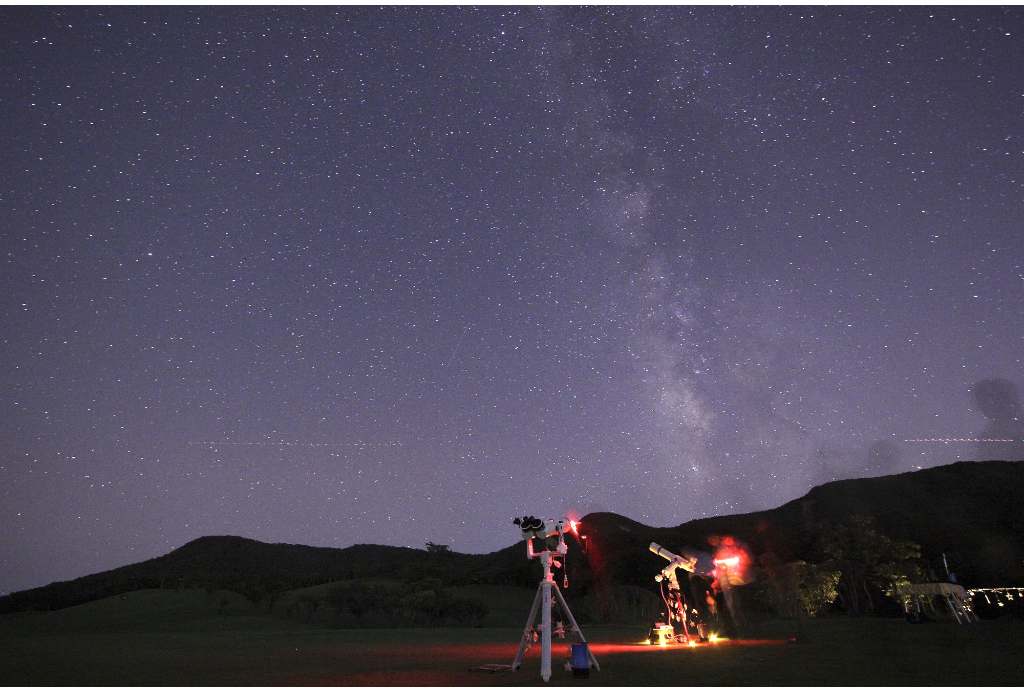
point(363, 275)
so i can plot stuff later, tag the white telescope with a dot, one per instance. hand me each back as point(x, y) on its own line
point(675, 603)
point(532, 527)
point(687, 563)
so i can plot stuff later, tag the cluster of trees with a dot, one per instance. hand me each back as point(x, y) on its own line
point(618, 603)
point(423, 603)
point(857, 572)
point(795, 589)
point(263, 589)
point(419, 597)
point(870, 564)
point(412, 595)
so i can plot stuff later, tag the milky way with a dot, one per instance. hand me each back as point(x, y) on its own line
point(364, 275)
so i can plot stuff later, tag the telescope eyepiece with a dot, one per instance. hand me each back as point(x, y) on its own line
point(529, 523)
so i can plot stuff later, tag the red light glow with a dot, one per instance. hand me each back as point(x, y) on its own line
point(733, 563)
point(606, 649)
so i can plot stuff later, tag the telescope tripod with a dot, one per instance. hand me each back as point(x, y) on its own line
point(543, 600)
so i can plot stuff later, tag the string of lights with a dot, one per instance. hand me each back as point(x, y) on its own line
point(1002, 596)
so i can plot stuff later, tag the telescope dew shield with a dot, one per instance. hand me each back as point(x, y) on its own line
point(667, 554)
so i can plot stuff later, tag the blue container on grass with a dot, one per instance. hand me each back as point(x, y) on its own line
point(580, 660)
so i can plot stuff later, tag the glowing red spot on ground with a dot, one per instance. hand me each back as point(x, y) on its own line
point(608, 649)
point(408, 664)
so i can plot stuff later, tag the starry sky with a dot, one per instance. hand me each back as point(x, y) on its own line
point(387, 275)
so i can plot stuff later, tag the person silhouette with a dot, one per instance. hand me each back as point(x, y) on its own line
point(999, 400)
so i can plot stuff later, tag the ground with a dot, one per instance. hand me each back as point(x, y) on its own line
point(175, 638)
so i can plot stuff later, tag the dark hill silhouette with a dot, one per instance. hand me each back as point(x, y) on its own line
point(263, 570)
point(971, 511)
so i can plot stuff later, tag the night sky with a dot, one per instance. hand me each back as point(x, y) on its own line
point(363, 275)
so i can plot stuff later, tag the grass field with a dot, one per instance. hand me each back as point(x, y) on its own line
point(183, 638)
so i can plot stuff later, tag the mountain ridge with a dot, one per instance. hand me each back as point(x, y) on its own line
point(969, 511)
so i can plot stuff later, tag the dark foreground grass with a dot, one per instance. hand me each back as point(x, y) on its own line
point(175, 638)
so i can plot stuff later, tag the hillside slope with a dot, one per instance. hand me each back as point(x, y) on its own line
point(973, 512)
point(262, 571)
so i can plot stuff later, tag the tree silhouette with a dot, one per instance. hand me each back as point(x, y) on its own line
point(870, 564)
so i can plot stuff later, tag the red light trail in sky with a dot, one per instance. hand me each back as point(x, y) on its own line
point(957, 439)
